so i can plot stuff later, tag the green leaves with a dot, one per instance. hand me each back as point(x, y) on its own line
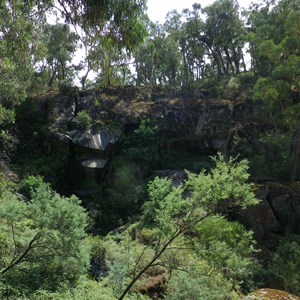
point(19, 31)
point(225, 187)
point(227, 246)
point(266, 90)
point(42, 239)
point(286, 263)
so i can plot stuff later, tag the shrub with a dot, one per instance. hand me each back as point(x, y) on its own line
point(286, 264)
point(41, 241)
point(141, 145)
point(84, 120)
point(228, 247)
point(199, 281)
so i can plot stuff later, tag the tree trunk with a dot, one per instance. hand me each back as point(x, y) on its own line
point(229, 61)
point(236, 60)
point(295, 155)
point(52, 78)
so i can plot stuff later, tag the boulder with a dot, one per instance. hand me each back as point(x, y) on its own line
point(260, 218)
point(177, 176)
point(285, 202)
point(94, 139)
point(270, 294)
point(93, 168)
point(277, 211)
point(97, 163)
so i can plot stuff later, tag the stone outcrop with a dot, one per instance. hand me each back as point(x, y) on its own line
point(99, 140)
point(189, 124)
point(208, 125)
point(270, 294)
point(276, 213)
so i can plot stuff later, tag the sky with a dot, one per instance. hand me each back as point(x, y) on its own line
point(158, 9)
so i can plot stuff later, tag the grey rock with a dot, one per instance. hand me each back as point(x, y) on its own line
point(97, 140)
point(97, 163)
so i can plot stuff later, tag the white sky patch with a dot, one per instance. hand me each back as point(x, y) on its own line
point(158, 9)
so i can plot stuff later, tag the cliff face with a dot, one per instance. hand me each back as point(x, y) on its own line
point(190, 127)
point(208, 124)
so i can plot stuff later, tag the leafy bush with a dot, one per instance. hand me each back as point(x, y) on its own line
point(41, 241)
point(7, 140)
point(286, 264)
point(124, 260)
point(84, 120)
point(199, 281)
point(7, 117)
point(49, 166)
point(31, 183)
point(141, 145)
point(228, 247)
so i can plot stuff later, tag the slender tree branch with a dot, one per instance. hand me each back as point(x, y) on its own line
point(22, 257)
point(157, 255)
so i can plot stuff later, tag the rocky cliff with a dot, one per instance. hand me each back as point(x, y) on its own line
point(189, 130)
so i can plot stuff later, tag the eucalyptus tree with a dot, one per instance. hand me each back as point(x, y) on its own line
point(20, 32)
point(194, 54)
point(60, 45)
point(22, 47)
point(146, 55)
point(223, 36)
point(263, 23)
point(279, 85)
point(158, 59)
point(111, 30)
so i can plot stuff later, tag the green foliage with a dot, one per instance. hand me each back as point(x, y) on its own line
point(218, 190)
point(145, 133)
point(19, 43)
point(49, 166)
point(223, 251)
point(224, 187)
point(121, 260)
point(164, 205)
point(84, 120)
point(189, 47)
point(123, 20)
point(5, 183)
point(277, 53)
point(142, 145)
point(158, 189)
point(7, 117)
point(229, 248)
point(7, 139)
point(286, 263)
point(199, 281)
point(60, 43)
point(32, 183)
point(41, 241)
point(86, 289)
point(119, 257)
